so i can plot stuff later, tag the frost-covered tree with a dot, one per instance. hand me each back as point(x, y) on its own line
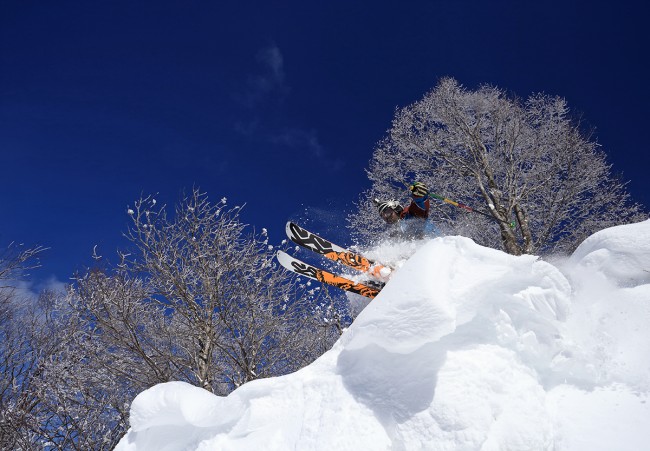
point(24, 344)
point(543, 182)
point(67, 387)
point(199, 299)
point(110, 346)
point(119, 335)
point(237, 315)
point(16, 367)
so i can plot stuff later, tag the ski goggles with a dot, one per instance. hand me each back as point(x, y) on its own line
point(389, 215)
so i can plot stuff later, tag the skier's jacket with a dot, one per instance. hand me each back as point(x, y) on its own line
point(419, 208)
point(414, 223)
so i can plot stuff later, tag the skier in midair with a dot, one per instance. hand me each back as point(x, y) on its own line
point(412, 220)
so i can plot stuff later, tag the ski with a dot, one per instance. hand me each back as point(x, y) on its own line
point(307, 270)
point(326, 248)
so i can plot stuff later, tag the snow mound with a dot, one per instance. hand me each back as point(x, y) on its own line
point(466, 348)
point(621, 254)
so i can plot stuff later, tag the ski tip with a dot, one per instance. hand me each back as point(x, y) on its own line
point(284, 259)
point(294, 231)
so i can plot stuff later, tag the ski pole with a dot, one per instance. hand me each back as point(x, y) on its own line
point(468, 208)
point(460, 205)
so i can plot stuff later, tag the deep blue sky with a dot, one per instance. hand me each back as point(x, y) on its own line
point(274, 104)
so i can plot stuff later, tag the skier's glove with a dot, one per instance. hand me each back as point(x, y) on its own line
point(419, 189)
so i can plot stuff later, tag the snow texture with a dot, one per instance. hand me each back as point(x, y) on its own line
point(466, 348)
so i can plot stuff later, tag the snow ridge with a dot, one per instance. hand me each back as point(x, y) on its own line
point(466, 348)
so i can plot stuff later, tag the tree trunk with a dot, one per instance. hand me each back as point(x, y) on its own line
point(527, 235)
point(204, 360)
point(509, 239)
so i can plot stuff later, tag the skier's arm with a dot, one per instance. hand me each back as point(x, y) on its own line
point(420, 202)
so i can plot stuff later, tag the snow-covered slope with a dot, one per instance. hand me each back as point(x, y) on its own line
point(467, 348)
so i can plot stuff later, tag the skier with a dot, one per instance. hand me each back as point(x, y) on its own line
point(412, 219)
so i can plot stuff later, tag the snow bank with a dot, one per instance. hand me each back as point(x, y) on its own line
point(620, 254)
point(466, 348)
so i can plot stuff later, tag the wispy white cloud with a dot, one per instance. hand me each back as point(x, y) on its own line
point(269, 82)
point(28, 291)
point(270, 85)
point(297, 138)
point(272, 59)
point(249, 128)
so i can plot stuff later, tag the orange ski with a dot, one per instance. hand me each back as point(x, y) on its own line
point(307, 270)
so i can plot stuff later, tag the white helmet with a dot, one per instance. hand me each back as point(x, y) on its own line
point(389, 210)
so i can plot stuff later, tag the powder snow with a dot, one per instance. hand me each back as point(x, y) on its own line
point(466, 348)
